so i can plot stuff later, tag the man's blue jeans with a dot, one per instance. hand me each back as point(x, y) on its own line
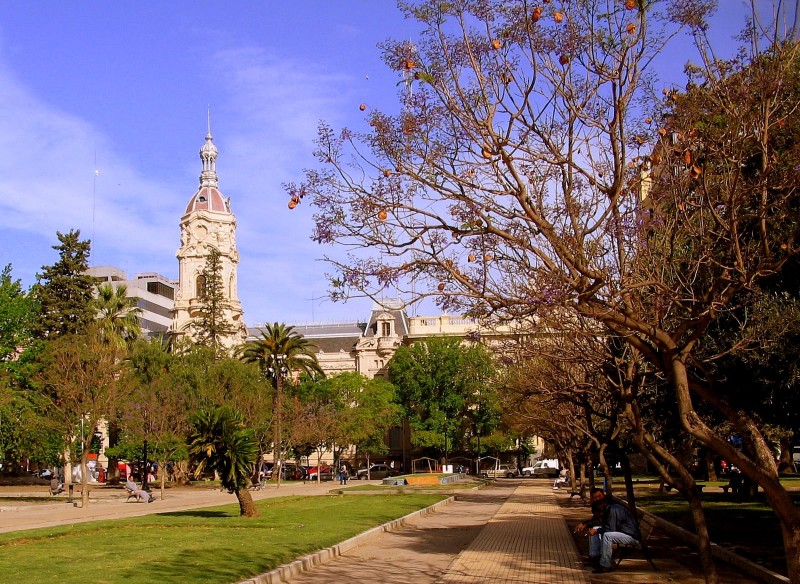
point(600, 545)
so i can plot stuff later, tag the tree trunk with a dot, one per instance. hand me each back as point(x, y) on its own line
point(162, 475)
point(571, 467)
point(759, 466)
point(84, 479)
point(626, 473)
point(704, 542)
point(711, 470)
point(673, 473)
point(247, 507)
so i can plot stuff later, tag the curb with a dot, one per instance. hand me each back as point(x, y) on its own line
point(286, 572)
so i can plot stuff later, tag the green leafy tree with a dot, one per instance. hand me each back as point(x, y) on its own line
point(373, 411)
point(213, 325)
point(219, 442)
point(81, 382)
point(279, 353)
point(64, 291)
point(231, 381)
point(24, 432)
point(117, 315)
point(17, 313)
point(157, 408)
point(437, 382)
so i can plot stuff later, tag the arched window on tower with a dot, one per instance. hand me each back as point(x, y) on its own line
point(200, 289)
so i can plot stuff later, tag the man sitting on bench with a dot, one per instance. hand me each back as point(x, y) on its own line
point(56, 486)
point(616, 525)
point(135, 491)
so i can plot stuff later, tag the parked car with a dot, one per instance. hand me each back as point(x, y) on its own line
point(326, 474)
point(292, 472)
point(543, 468)
point(504, 470)
point(376, 471)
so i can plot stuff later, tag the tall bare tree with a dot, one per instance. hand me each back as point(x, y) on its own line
point(509, 182)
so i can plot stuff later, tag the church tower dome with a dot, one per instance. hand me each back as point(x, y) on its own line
point(207, 223)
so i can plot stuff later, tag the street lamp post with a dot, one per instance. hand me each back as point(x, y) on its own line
point(276, 370)
point(144, 469)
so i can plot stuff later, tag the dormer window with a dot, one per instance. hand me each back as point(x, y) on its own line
point(201, 198)
point(386, 329)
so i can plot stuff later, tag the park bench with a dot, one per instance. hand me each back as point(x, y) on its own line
point(621, 551)
point(133, 495)
point(734, 484)
point(259, 486)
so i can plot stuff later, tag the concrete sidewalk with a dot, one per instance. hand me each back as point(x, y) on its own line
point(111, 503)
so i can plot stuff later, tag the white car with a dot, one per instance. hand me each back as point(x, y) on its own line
point(542, 468)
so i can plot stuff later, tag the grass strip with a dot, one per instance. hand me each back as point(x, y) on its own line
point(211, 545)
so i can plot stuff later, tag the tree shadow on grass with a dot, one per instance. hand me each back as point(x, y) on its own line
point(197, 513)
point(200, 565)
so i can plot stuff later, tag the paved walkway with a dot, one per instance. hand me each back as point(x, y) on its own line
point(526, 541)
point(510, 532)
point(112, 503)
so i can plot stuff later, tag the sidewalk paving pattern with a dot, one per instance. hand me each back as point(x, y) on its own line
point(526, 541)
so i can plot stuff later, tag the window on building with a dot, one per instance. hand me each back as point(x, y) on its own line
point(161, 289)
point(200, 291)
point(386, 329)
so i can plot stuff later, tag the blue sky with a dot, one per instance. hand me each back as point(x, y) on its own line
point(130, 83)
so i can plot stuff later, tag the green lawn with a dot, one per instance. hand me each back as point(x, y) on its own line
point(202, 545)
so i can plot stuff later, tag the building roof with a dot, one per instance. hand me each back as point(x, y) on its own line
point(208, 197)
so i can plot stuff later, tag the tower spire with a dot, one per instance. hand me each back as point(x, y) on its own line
point(208, 156)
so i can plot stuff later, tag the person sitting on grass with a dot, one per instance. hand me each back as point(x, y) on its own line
point(615, 525)
point(134, 490)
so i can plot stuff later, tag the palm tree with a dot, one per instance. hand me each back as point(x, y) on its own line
point(117, 315)
point(219, 442)
point(280, 351)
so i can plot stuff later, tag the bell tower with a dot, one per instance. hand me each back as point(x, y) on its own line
point(208, 223)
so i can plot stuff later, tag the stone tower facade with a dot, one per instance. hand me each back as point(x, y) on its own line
point(207, 223)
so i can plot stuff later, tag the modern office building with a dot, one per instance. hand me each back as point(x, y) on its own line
point(154, 293)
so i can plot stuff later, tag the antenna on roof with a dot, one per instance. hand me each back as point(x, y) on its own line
point(209, 120)
point(94, 206)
